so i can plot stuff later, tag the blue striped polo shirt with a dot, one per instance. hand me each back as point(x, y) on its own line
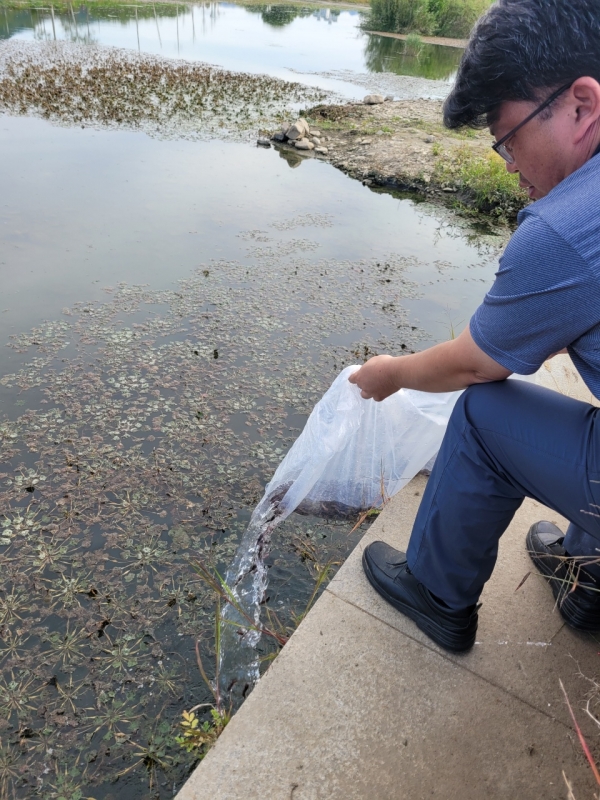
point(546, 295)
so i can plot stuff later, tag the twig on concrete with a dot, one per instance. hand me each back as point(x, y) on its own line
point(570, 796)
point(581, 737)
point(527, 574)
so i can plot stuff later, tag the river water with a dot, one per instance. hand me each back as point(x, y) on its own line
point(283, 41)
point(172, 309)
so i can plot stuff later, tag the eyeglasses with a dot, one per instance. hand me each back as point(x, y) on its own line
point(501, 148)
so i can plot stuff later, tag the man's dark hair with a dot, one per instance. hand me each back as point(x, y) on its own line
point(519, 50)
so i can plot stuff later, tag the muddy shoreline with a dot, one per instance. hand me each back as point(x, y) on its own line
point(398, 145)
point(446, 41)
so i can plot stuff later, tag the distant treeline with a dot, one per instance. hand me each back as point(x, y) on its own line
point(454, 18)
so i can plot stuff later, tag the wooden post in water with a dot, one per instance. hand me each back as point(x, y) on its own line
point(52, 18)
point(177, 18)
point(137, 28)
point(74, 21)
point(157, 28)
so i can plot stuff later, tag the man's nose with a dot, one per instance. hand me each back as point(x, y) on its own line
point(512, 168)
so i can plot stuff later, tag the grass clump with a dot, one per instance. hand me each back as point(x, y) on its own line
point(197, 735)
point(400, 16)
point(454, 18)
point(413, 44)
point(482, 182)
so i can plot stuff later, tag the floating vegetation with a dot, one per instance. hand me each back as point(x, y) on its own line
point(128, 451)
point(106, 87)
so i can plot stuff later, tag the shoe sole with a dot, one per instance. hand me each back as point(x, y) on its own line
point(567, 606)
point(441, 636)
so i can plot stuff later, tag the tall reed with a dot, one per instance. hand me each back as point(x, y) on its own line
point(453, 18)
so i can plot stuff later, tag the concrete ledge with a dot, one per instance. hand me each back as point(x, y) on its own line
point(360, 704)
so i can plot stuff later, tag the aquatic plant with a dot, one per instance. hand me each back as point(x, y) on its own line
point(107, 88)
point(66, 648)
point(152, 754)
point(413, 44)
point(12, 770)
point(153, 453)
point(114, 719)
point(198, 737)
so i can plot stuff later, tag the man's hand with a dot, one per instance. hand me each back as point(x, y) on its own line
point(378, 378)
point(443, 368)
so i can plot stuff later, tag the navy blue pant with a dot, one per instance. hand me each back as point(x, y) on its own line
point(505, 441)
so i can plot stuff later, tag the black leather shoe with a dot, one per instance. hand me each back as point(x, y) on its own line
point(577, 592)
point(389, 574)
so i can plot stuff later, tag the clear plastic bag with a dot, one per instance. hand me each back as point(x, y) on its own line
point(351, 456)
point(353, 452)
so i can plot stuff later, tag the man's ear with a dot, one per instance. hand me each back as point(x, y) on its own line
point(586, 99)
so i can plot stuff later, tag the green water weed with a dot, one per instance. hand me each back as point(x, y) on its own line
point(68, 648)
point(114, 719)
point(122, 655)
point(195, 736)
point(13, 646)
point(68, 783)
point(18, 694)
point(70, 695)
point(13, 770)
point(413, 44)
point(152, 754)
point(68, 591)
point(107, 88)
point(85, 567)
point(14, 605)
point(198, 737)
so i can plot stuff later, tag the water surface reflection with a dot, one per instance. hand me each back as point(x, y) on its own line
point(275, 39)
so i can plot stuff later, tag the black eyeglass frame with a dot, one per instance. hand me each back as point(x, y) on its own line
point(499, 147)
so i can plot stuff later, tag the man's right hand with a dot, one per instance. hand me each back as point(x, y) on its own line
point(378, 378)
point(445, 367)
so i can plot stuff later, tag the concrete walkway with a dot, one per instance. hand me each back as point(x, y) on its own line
point(360, 704)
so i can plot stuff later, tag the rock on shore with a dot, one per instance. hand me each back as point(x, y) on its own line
point(374, 99)
point(301, 136)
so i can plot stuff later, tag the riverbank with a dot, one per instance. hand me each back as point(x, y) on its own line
point(402, 146)
point(446, 41)
point(355, 5)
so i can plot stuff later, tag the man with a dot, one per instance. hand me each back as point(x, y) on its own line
point(531, 73)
